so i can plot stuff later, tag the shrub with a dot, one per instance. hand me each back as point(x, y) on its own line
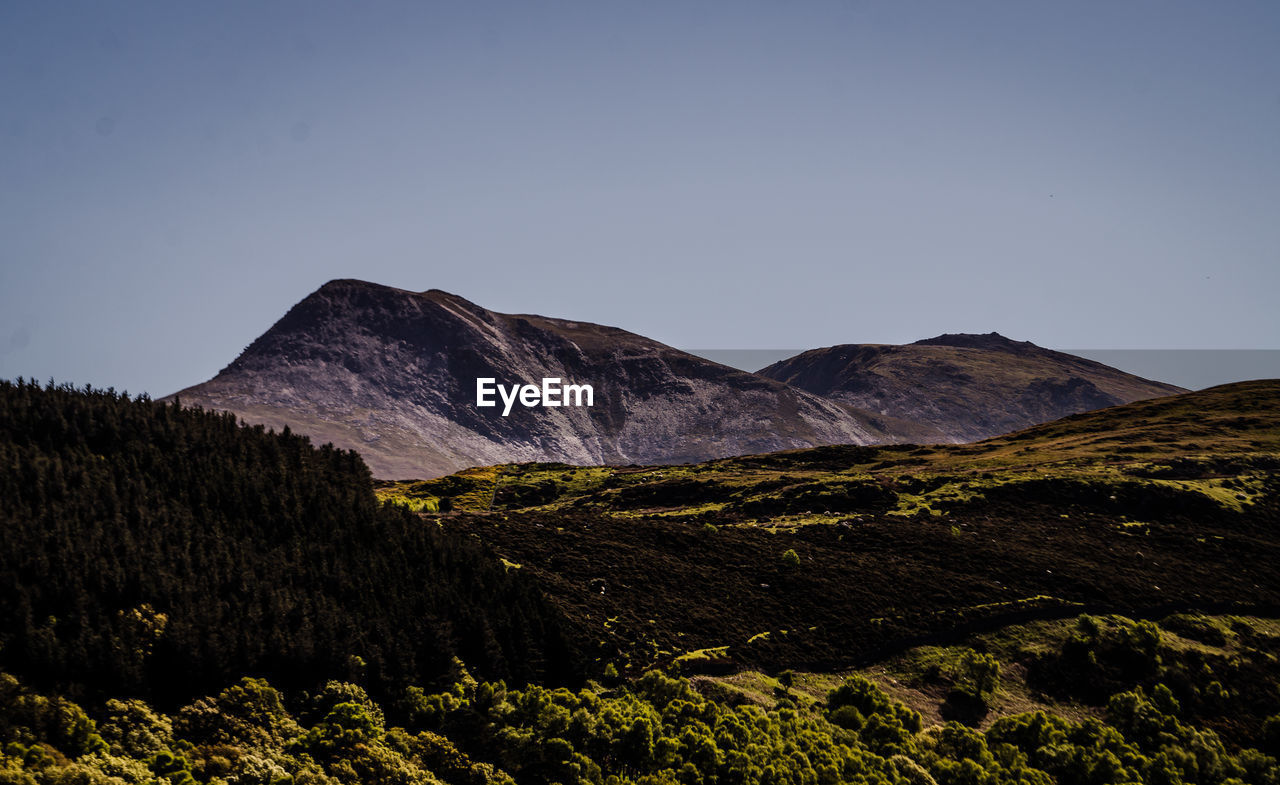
point(974, 680)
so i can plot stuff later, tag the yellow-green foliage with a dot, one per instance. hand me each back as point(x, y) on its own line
point(803, 729)
point(695, 658)
point(428, 504)
point(1243, 490)
point(470, 490)
point(1229, 435)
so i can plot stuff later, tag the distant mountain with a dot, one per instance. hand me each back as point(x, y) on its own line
point(392, 374)
point(969, 387)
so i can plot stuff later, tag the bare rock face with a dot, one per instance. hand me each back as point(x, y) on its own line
point(392, 374)
point(969, 387)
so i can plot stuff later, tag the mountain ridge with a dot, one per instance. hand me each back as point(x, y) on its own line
point(391, 373)
point(968, 386)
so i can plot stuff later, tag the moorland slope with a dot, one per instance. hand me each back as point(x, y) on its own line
point(829, 556)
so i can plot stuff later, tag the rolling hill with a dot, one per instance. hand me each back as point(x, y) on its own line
point(827, 557)
point(969, 387)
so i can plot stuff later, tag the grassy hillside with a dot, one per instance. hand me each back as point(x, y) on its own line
point(1183, 437)
point(833, 556)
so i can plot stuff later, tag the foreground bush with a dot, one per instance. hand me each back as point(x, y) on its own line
point(653, 731)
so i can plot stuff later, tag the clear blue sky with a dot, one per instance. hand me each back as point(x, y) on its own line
point(173, 176)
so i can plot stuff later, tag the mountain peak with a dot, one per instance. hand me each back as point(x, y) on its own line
point(346, 295)
point(353, 284)
point(394, 374)
point(990, 341)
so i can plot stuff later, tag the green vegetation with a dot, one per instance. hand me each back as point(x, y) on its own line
point(1159, 504)
point(470, 490)
point(1216, 448)
point(660, 729)
point(974, 679)
point(187, 600)
point(161, 552)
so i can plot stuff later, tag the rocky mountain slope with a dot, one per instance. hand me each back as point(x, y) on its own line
point(969, 387)
point(392, 374)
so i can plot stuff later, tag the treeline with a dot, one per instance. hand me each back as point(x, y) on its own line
point(656, 730)
point(153, 551)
